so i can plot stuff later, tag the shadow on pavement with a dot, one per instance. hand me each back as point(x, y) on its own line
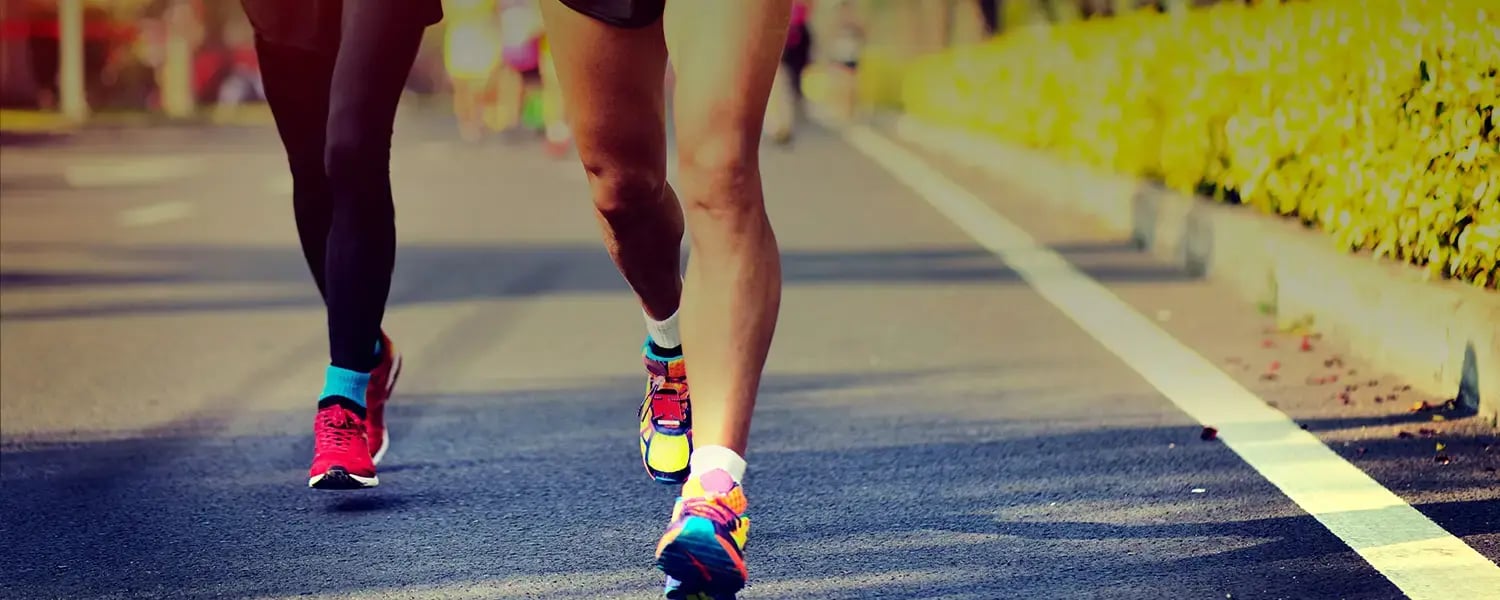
point(444, 274)
point(862, 488)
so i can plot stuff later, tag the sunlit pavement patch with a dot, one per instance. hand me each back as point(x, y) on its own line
point(129, 172)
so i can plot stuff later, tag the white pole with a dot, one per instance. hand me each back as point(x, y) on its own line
point(176, 82)
point(70, 77)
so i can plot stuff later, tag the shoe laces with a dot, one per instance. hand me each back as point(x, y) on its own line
point(669, 396)
point(669, 405)
point(337, 427)
point(714, 507)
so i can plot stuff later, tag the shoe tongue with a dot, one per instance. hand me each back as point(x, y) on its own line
point(717, 481)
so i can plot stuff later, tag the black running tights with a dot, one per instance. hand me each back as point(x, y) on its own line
point(335, 114)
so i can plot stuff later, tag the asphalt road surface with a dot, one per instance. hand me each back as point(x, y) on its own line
point(931, 426)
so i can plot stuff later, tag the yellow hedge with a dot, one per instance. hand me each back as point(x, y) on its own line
point(880, 76)
point(1373, 120)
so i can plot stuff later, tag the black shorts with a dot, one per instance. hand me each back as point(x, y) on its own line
point(315, 24)
point(629, 14)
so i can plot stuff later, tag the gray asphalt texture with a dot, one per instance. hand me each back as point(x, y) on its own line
point(930, 427)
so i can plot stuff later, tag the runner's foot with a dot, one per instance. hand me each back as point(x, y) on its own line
point(666, 416)
point(341, 456)
point(702, 551)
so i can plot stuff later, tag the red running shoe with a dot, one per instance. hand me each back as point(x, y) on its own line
point(382, 384)
point(341, 456)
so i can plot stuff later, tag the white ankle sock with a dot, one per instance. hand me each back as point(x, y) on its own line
point(708, 458)
point(664, 332)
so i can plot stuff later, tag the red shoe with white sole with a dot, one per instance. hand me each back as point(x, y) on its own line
point(341, 456)
point(382, 384)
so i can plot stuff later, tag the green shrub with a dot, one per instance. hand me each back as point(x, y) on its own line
point(1373, 121)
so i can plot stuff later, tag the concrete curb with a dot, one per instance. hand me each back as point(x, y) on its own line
point(1442, 337)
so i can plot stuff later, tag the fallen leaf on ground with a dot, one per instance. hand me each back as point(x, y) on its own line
point(1441, 446)
point(1405, 435)
point(1275, 365)
point(1208, 434)
point(1439, 418)
point(1425, 406)
point(1425, 432)
point(1267, 343)
point(1306, 344)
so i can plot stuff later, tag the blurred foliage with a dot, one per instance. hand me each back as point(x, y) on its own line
point(880, 78)
point(1373, 121)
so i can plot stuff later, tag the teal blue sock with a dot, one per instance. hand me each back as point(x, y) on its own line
point(346, 384)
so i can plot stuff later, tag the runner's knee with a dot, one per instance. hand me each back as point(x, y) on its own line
point(354, 156)
point(307, 168)
point(719, 169)
point(622, 191)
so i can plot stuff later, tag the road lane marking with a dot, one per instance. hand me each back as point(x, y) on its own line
point(154, 214)
point(1419, 557)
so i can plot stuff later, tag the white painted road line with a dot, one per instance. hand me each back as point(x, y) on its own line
point(1419, 557)
point(153, 214)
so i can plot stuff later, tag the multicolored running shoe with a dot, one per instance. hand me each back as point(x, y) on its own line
point(676, 591)
point(382, 384)
point(702, 551)
point(341, 455)
point(666, 417)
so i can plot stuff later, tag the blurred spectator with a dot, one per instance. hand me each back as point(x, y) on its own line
point(239, 80)
point(990, 10)
point(786, 93)
point(554, 114)
point(471, 54)
point(846, 44)
point(39, 19)
point(520, 39)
